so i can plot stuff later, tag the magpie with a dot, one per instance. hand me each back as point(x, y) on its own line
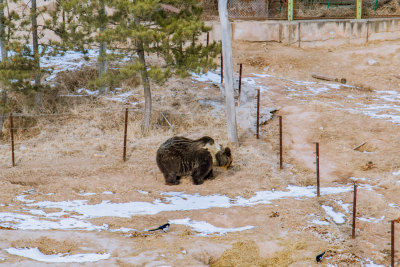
point(320, 256)
point(163, 227)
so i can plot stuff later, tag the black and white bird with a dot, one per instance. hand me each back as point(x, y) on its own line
point(163, 227)
point(320, 256)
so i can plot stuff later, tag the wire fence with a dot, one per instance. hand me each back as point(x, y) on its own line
point(303, 9)
point(91, 130)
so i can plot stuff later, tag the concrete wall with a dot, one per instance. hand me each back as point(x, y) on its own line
point(313, 33)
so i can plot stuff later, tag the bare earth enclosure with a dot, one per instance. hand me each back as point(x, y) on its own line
point(71, 193)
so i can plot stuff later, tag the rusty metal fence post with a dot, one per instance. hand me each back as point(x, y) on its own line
point(353, 231)
point(392, 243)
point(12, 138)
point(280, 144)
point(125, 132)
point(258, 114)
point(317, 166)
point(240, 82)
point(222, 68)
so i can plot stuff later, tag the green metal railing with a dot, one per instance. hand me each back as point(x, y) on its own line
point(305, 9)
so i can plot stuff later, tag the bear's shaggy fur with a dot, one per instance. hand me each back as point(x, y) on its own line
point(181, 156)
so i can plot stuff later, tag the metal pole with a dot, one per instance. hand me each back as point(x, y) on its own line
point(222, 68)
point(290, 4)
point(125, 132)
point(280, 143)
point(392, 244)
point(317, 165)
point(240, 82)
point(258, 113)
point(12, 139)
point(358, 9)
point(353, 232)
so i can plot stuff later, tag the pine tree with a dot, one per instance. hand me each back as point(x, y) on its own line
point(134, 29)
point(149, 27)
point(17, 65)
point(81, 27)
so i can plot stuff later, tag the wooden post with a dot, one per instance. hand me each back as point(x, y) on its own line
point(353, 232)
point(208, 38)
point(290, 4)
point(258, 113)
point(280, 143)
point(12, 139)
point(125, 132)
point(392, 243)
point(358, 9)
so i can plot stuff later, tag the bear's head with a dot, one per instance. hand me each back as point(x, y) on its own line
point(222, 157)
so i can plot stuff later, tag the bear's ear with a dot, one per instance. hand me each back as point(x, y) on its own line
point(227, 151)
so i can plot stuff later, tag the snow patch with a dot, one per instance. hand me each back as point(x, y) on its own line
point(204, 228)
point(338, 217)
point(35, 254)
point(316, 221)
point(207, 77)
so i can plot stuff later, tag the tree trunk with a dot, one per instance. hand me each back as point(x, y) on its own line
point(102, 64)
point(147, 92)
point(36, 57)
point(146, 84)
point(2, 34)
point(3, 110)
point(228, 69)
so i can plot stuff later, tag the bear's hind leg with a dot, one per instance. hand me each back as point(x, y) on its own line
point(210, 175)
point(204, 171)
point(171, 179)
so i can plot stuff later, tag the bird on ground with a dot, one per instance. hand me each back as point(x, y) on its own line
point(163, 227)
point(320, 256)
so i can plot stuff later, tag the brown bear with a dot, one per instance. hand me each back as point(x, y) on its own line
point(180, 156)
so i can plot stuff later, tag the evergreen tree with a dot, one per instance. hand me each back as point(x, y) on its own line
point(149, 27)
point(134, 29)
point(17, 65)
point(81, 28)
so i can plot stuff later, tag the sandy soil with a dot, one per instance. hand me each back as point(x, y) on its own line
point(83, 153)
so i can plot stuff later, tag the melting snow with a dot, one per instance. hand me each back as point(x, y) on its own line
point(344, 206)
point(316, 221)
point(29, 222)
point(396, 173)
point(370, 263)
point(143, 192)
point(205, 228)
point(35, 254)
point(372, 220)
point(208, 77)
point(338, 217)
point(86, 194)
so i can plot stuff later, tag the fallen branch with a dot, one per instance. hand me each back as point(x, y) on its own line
point(357, 147)
point(327, 78)
point(170, 125)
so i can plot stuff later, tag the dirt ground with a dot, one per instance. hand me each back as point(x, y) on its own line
point(66, 156)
